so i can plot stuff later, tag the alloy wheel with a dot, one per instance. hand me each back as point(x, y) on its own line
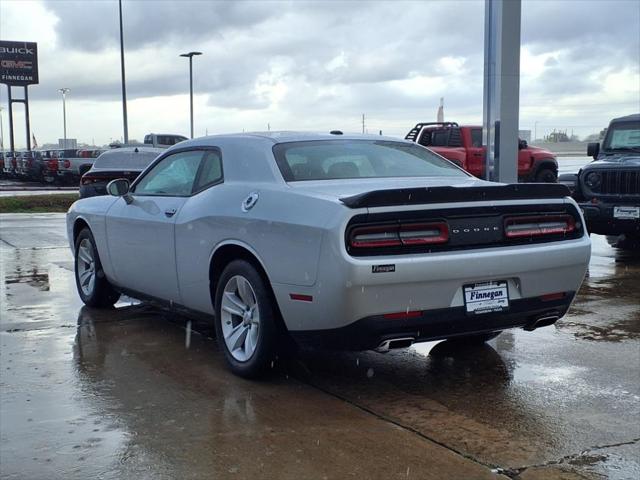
point(240, 318)
point(86, 266)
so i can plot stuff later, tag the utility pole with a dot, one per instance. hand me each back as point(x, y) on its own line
point(64, 92)
point(363, 123)
point(124, 88)
point(1, 133)
point(190, 55)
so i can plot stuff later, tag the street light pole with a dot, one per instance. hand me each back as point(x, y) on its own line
point(124, 88)
point(64, 92)
point(190, 55)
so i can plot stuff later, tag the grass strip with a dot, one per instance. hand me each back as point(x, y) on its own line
point(37, 203)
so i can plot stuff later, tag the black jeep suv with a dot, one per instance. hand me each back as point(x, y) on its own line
point(608, 189)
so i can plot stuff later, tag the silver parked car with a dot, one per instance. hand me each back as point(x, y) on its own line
point(351, 242)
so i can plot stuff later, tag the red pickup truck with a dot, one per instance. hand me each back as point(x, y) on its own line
point(463, 146)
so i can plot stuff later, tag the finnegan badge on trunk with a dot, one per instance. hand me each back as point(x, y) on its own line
point(383, 268)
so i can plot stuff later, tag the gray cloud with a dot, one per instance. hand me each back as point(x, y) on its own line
point(337, 59)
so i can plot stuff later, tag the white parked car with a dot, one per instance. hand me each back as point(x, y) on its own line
point(355, 242)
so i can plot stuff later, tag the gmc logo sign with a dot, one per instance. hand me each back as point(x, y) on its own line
point(16, 64)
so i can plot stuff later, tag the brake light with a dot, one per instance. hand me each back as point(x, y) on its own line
point(88, 179)
point(535, 226)
point(66, 164)
point(397, 235)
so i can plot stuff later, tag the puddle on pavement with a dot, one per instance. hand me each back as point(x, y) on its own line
point(106, 392)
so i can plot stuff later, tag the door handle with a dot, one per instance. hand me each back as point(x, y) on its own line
point(170, 212)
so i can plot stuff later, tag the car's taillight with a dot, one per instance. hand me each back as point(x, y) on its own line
point(398, 235)
point(88, 179)
point(424, 233)
point(67, 164)
point(535, 226)
point(52, 165)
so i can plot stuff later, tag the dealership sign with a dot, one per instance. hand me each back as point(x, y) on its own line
point(18, 63)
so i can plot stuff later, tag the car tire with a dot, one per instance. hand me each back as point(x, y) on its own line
point(477, 339)
point(245, 319)
point(92, 284)
point(546, 175)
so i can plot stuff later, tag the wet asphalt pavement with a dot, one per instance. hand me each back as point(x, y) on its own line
point(140, 393)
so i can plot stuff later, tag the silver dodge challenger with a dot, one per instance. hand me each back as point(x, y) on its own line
point(340, 241)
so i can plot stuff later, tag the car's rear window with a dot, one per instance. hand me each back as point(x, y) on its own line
point(335, 159)
point(122, 159)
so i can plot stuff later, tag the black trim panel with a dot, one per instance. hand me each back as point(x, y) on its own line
point(369, 332)
point(415, 196)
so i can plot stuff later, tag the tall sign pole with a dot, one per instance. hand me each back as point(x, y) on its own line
point(18, 68)
point(501, 99)
point(124, 87)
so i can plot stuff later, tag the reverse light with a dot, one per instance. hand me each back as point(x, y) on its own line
point(534, 226)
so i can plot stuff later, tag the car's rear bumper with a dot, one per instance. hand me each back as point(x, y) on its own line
point(371, 332)
point(347, 289)
point(599, 217)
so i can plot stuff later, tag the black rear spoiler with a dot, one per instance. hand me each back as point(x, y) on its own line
point(416, 196)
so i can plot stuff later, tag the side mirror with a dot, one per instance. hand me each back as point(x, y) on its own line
point(120, 188)
point(522, 144)
point(593, 149)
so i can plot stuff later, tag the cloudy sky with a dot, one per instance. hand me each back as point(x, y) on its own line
point(316, 65)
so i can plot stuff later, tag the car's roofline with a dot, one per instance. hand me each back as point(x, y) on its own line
point(276, 137)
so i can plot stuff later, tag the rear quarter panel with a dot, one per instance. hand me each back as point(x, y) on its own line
point(284, 230)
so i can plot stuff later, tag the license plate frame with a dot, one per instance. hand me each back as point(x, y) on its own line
point(626, 212)
point(490, 301)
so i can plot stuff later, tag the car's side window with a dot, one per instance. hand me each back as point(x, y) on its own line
point(210, 171)
point(173, 175)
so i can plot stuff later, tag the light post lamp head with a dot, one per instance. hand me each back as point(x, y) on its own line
point(63, 91)
point(190, 54)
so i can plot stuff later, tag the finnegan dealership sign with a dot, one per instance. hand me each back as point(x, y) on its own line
point(18, 63)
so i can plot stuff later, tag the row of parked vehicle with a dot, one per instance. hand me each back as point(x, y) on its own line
point(48, 166)
point(68, 166)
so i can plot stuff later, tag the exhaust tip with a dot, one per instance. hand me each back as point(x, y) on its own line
point(543, 321)
point(393, 343)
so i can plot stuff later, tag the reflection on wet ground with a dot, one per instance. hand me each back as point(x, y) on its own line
point(131, 392)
